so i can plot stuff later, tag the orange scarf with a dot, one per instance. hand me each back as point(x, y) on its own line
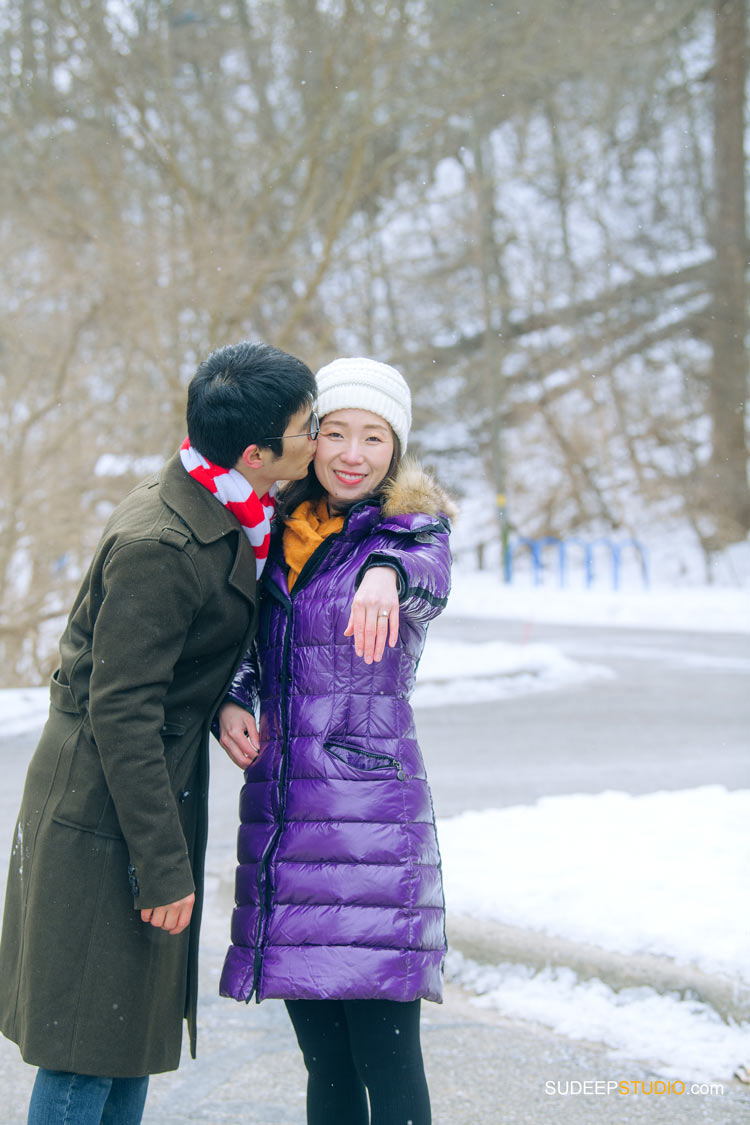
point(304, 531)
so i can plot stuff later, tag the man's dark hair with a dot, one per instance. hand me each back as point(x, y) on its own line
point(245, 394)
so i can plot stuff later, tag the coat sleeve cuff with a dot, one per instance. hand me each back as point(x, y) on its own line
point(151, 889)
point(381, 559)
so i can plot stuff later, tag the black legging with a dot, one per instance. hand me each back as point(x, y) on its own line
point(353, 1048)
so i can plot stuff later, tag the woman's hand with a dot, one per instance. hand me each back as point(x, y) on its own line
point(238, 734)
point(174, 917)
point(374, 615)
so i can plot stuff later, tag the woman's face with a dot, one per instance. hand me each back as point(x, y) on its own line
point(354, 453)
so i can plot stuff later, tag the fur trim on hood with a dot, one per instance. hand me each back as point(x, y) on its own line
point(415, 490)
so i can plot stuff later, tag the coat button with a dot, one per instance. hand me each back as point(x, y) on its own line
point(135, 890)
point(184, 795)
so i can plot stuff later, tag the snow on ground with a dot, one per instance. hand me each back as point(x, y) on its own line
point(695, 608)
point(462, 672)
point(664, 873)
point(683, 1039)
point(22, 710)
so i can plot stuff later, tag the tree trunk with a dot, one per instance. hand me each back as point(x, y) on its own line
point(492, 288)
point(728, 392)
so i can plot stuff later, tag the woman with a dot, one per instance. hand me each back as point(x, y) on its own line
point(339, 895)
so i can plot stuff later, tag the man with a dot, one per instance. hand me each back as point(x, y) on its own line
point(98, 961)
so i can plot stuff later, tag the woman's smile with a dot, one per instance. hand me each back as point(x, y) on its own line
point(349, 478)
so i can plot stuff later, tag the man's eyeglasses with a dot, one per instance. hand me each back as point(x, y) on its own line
point(311, 432)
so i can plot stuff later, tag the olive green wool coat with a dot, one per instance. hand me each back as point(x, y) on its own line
point(114, 812)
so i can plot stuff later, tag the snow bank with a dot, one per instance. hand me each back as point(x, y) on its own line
point(682, 1039)
point(695, 608)
point(664, 873)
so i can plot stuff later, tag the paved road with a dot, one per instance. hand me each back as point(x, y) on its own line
point(676, 715)
point(482, 1069)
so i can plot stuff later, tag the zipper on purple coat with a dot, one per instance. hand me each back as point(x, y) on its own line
point(264, 891)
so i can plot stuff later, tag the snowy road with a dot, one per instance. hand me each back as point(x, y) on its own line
point(676, 715)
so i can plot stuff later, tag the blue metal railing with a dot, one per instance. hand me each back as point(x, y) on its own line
point(590, 548)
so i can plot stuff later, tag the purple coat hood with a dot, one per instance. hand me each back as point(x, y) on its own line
point(339, 891)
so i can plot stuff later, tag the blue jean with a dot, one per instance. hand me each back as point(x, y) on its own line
point(60, 1098)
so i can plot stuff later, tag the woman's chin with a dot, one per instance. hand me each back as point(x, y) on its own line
point(336, 504)
point(341, 498)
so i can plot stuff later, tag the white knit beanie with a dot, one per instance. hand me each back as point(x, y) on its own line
point(365, 384)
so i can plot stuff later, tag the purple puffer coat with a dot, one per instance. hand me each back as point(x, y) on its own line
point(339, 892)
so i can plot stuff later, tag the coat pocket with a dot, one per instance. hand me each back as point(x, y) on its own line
point(366, 760)
point(85, 802)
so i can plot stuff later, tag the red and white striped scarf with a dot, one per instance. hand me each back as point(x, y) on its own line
point(232, 490)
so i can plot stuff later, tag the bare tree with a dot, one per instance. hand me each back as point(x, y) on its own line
point(515, 204)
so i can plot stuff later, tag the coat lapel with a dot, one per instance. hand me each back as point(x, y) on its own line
point(242, 575)
point(209, 521)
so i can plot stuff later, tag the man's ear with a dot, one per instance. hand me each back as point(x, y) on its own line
point(252, 457)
